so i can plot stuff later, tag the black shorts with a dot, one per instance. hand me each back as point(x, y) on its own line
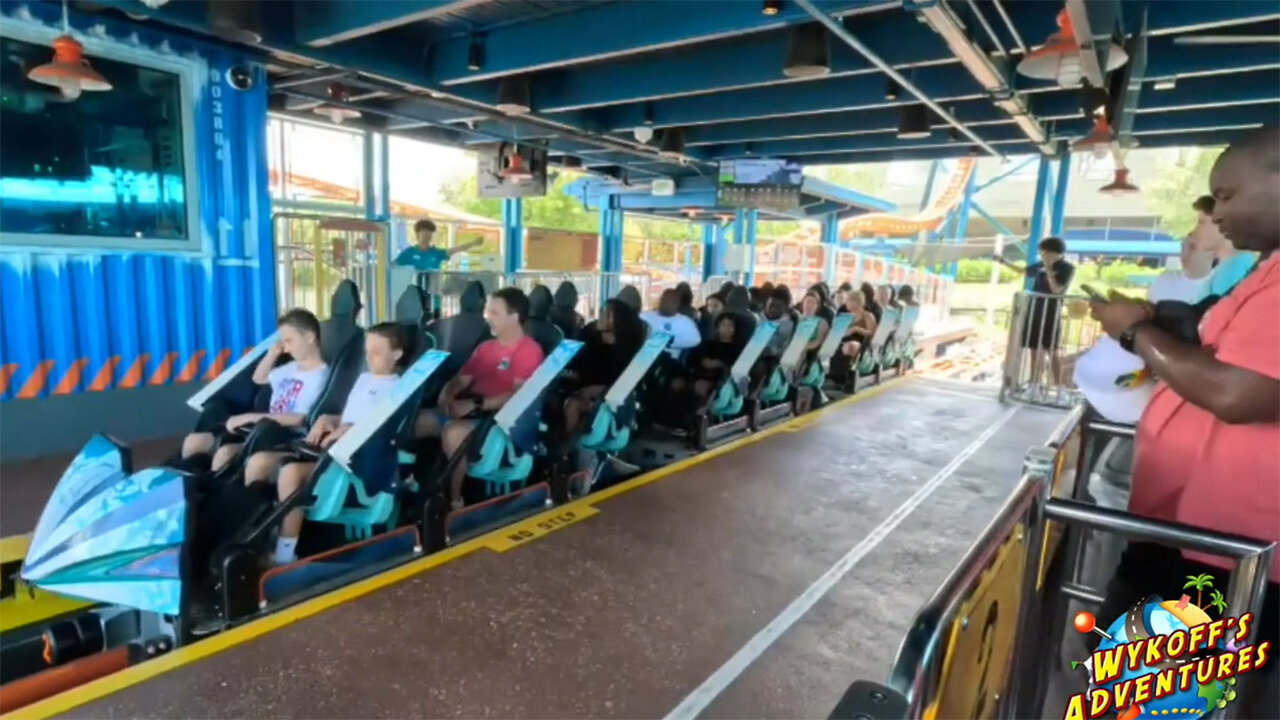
point(1043, 324)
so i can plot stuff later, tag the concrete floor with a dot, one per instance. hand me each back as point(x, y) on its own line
point(625, 614)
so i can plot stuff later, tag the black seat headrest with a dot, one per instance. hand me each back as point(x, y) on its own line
point(472, 298)
point(539, 302)
point(738, 300)
point(630, 295)
point(345, 300)
point(411, 308)
point(566, 295)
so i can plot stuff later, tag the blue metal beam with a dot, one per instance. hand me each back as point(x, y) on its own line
point(325, 23)
point(1036, 233)
point(1016, 167)
point(992, 220)
point(751, 61)
point(1058, 212)
point(950, 83)
point(544, 43)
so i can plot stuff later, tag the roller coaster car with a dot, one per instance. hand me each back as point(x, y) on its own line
point(611, 428)
point(775, 399)
point(510, 473)
point(726, 414)
point(813, 375)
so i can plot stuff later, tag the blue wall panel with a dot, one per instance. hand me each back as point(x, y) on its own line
point(92, 319)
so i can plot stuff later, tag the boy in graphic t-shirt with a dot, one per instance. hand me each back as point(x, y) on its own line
point(384, 356)
point(491, 376)
point(295, 387)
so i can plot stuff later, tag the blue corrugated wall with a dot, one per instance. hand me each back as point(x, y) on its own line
point(93, 320)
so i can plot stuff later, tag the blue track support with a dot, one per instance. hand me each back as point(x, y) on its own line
point(749, 245)
point(928, 184)
point(831, 243)
point(709, 233)
point(611, 223)
point(1059, 209)
point(512, 235)
point(992, 220)
point(740, 233)
point(962, 222)
point(1003, 175)
point(1037, 212)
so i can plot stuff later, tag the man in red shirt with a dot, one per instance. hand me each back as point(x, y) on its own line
point(491, 376)
point(1208, 445)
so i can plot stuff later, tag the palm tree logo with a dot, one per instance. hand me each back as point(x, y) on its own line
point(1219, 603)
point(1199, 583)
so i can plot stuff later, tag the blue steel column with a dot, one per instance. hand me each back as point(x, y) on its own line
point(831, 245)
point(710, 231)
point(512, 235)
point(962, 222)
point(1037, 213)
point(739, 232)
point(749, 245)
point(1059, 209)
point(611, 223)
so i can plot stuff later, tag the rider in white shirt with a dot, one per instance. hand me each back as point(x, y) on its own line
point(668, 319)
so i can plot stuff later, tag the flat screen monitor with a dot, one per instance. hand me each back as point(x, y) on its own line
point(761, 171)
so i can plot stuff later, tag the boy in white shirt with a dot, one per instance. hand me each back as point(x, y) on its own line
point(295, 387)
point(384, 354)
point(668, 319)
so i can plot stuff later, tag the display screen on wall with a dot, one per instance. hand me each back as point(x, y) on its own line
point(761, 183)
point(106, 164)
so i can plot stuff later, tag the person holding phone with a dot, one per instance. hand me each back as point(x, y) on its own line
point(1050, 279)
point(1207, 451)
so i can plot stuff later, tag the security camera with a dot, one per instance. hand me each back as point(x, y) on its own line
point(240, 78)
point(643, 133)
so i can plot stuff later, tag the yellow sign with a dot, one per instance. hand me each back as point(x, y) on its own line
point(537, 526)
point(1064, 476)
point(976, 664)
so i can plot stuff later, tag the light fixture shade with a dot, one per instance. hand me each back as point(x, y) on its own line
point(514, 169)
point(1120, 184)
point(513, 96)
point(236, 21)
point(475, 54)
point(1058, 59)
point(808, 52)
point(1098, 141)
point(672, 142)
point(69, 71)
point(770, 7)
point(337, 114)
point(913, 122)
point(891, 89)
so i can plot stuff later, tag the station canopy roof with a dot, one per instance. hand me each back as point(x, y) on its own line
point(813, 81)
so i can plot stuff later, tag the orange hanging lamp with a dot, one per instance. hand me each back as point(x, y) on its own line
point(1058, 59)
point(69, 70)
point(1098, 141)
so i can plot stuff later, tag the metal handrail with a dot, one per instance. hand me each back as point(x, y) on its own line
point(918, 665)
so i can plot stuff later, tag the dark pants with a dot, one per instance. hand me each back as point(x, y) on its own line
point(1147, 569)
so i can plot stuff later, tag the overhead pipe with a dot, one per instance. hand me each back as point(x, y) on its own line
point(992, 78)
point(848, 38)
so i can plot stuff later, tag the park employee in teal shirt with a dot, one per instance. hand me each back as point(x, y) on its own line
point(425, 257)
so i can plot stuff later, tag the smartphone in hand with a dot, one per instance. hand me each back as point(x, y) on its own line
point(1093, 293)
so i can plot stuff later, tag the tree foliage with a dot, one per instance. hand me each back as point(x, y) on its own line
point(1176, 185)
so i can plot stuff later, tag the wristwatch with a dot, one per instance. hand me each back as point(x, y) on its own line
point(1130, 333)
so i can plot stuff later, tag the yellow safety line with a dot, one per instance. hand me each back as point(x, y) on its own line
point(100, 688)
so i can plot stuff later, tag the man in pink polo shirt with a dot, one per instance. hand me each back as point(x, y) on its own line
point(1208, 445)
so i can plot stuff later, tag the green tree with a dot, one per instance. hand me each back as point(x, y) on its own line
point(1218, 602)
point(1177, 184)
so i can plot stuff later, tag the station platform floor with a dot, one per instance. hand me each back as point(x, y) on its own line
point(755, 581)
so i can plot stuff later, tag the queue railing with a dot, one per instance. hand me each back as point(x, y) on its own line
point(966, 656)
point(1046, 335)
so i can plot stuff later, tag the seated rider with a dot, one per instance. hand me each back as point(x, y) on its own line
point(861, 329)
point(775, 311)
point(668, 319)
point(384, 356)
point(607, 350)
point(907, 296)
point(709, 363)
point(709, 312)
point(295, 388)
point(491, 376)
point(812, 305)
point(686, 301)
